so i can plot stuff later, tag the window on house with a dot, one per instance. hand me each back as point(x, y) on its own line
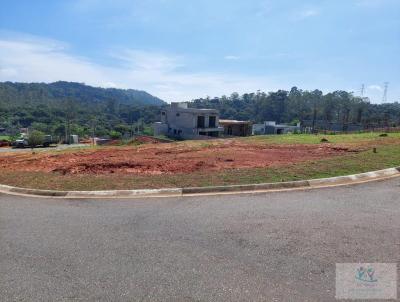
point(200, 121)
point(163, 113)
point(212, 121)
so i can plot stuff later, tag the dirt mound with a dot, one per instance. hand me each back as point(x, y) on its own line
point(156, 159)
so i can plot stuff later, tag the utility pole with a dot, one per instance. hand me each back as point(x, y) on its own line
point(362, 90)
point(93, 130)
point(384, 98)
point(132, 124)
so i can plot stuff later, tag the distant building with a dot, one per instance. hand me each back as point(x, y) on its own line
point(179, 121)
point(271, 127)
point(24, 131)
point(236, 128)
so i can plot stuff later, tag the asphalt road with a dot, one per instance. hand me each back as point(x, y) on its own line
point(39, 149)
point(263, 247)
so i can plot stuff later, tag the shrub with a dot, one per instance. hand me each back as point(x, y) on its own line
point(35, 138)
point(115, 134)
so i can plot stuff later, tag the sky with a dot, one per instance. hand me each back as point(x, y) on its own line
point(180, 49)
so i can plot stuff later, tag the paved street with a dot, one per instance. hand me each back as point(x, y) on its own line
point(40, 149)
point(263, 247)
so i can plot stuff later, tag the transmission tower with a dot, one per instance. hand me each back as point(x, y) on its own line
point(384, 98)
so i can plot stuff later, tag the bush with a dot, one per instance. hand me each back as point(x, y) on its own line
point(36, 138)
point(115, 134)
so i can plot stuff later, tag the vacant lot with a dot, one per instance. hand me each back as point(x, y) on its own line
point(198, 163)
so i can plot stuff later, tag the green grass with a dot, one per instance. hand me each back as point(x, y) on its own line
point(4, 138)
point(316, 139)
point(387, 156)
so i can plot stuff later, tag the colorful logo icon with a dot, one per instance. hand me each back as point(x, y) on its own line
point(366, 274)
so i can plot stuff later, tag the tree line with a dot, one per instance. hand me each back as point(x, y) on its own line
point(304, 106)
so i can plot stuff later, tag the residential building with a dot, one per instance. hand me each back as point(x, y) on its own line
point(236, 128)
point(271, 127)
point(179, 121)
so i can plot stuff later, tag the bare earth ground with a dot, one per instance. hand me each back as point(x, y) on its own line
point(257, 159)
point(174, 158)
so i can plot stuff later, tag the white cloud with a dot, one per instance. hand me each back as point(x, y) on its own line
point(145, 60)
point(231, 57)
point(7, 72)
point(41, 60)
point(375, 87)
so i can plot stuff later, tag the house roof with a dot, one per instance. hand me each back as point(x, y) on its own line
point(236, 122)
point(194, 110)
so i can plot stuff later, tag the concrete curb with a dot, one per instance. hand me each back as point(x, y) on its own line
point(252, 187)
point(36, 192)
point(355, 178)
point(313, 183)
point(126, 193)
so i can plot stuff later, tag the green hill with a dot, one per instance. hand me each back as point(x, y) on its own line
point(50, 107)
point(39, 93)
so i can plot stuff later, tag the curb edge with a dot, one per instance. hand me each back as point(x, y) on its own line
point(169, 192)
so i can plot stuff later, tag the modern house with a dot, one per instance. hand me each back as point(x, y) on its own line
point(236, 128)
point(179, 121)
point(270, 127)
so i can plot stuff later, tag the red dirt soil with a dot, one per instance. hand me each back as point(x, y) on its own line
point(155, 159)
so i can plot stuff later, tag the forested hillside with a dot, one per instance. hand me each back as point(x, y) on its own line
point(298, 105)
point(51, 108)
point(41, 93)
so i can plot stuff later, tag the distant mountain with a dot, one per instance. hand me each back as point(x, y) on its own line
point(41, 93)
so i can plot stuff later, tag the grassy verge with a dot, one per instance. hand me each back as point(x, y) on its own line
point(316, 139)
point(387, 156)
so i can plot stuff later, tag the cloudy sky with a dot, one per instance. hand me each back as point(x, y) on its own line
point(180, 49)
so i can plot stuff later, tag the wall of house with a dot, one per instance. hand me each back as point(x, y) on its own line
point(237, 129)
point(181, 123)
point(160, 128)
point(272, 128)
point(258, 129)
point(177, 122)
point(281, 129)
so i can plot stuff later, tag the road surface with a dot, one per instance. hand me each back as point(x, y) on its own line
point(262, 247)
point(40, 149)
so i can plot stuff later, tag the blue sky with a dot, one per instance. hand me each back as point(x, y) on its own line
point(179, 50)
